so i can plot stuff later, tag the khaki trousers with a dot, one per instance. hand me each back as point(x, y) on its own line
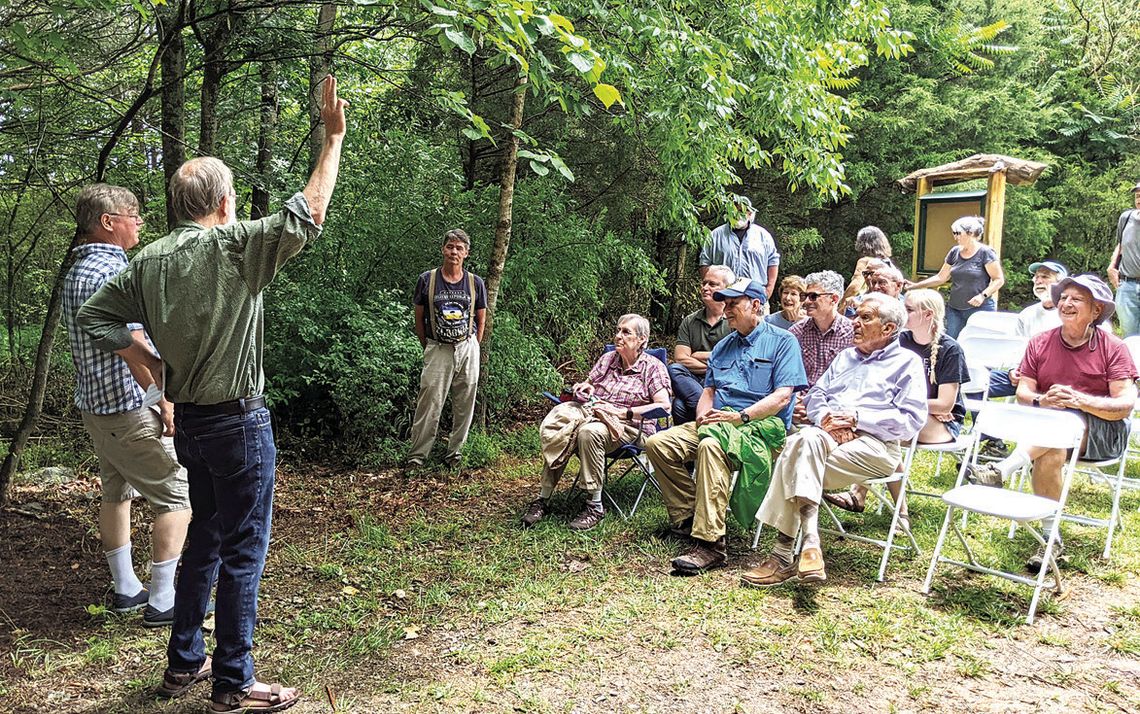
point(705, 498)
point(594, 442)
point(811, 462)
point(448, 369)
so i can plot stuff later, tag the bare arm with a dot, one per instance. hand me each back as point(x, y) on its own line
point(695, 362)
point(319, 190)
point(1118, 405)
point(1113, 269)
point(997, 279)
point(704, 404)
point(933, 281)
point(419, 326)
point(944, 402)
point(766, 407)
point(773, 272)
point(480, 322)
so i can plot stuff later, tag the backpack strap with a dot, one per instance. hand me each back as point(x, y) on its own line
point(431, 303)
point(471, 312)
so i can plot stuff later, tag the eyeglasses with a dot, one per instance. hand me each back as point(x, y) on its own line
point(814, 296)
point(957, 233)
point(133, 216)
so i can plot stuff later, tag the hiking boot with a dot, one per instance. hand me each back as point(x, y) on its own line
point(994, 449)
point(772, 571)
point(1037, 560)
point(591, 515)
point(703, 556)
point(535, 512)
point(682, 530)
point(984, 475)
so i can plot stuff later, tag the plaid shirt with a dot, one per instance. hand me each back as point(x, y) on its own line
point(104, 385)
point(630, 387)
point(819, 349)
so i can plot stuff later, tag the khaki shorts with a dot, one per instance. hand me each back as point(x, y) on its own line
point(135, 459)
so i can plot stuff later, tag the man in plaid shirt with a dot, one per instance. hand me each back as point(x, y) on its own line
point(132, 441)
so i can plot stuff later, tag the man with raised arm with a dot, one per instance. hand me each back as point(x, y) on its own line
point(197, 291)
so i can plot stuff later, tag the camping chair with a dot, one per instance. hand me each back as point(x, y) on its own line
point(633, 453)
point(877, 488)
point(1028, 427)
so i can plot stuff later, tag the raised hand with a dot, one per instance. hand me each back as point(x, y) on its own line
point(332, 109)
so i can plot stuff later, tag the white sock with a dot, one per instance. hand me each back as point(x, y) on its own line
point(1010, 464)
point(544, 491)
point(809, 522)
point(123, 571)
point(596, 497)
point(162, 584)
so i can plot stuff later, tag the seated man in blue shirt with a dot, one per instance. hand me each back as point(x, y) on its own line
point(751, 375)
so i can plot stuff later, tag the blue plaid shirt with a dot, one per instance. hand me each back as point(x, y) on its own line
point(104, 384)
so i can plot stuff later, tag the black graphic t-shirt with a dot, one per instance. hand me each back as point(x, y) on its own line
point(450, 312)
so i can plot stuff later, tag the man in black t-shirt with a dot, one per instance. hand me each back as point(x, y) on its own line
point(451, 307)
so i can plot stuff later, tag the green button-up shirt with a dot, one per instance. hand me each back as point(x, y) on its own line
point(198, 293)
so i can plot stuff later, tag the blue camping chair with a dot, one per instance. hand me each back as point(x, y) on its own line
point(632, 453)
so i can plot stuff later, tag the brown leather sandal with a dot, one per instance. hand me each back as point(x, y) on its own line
point(258, 698)
point(846, 500)
point(175, 684)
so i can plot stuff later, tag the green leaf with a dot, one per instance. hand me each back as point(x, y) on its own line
point(561, 23)
point(472, 133)
point(607, 94)
point(563, 169)
point(538, 168)
point(437, 10)
point(581, 62)
point(460, 40)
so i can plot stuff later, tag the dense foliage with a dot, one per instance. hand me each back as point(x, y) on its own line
point(645, 118)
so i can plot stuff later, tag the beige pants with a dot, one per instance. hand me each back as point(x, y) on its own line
point(136, 459)
point(811, 462)
point(706, 497)
point(448, 369)
point(594, 442)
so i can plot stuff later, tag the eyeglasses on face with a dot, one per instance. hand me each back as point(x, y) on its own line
point(133, 216)
point(814, 296)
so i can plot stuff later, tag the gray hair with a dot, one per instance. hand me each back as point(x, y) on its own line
point(870, 241)
point(830, 280)
point(458, 235)
point(725, 272)
point(889, 309)
point(891, 272)
point(640, 326)
point(198, 187)
point(974, 225)
point(99, 198)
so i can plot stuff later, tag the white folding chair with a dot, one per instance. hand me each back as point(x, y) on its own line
point(878, 488)
point(1028, 427)
point(993, 350)
point(1000, 323)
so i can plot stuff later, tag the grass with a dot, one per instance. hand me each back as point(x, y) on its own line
point(448, 605)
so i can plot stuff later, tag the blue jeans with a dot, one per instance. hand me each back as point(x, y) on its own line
point(686, 393)
point(231, 463)
point(1128, 306)
point(956, 319)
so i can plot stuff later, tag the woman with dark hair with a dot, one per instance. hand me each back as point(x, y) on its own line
point(871, 245)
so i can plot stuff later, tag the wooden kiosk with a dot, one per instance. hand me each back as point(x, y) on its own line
point(935, 212)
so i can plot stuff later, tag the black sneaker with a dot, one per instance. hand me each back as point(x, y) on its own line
point(153, 618)
point(994, 449)
point(130, 603)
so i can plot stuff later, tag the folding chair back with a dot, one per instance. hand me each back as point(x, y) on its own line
point(999, 323)
point(1031, 426)
point(993, 350)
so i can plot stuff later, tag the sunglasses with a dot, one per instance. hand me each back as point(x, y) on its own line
point(814, 296)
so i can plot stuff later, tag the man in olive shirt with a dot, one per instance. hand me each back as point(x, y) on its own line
point(697, 335)
point(197, 292)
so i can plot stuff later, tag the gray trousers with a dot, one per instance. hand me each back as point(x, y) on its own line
point(448, 369)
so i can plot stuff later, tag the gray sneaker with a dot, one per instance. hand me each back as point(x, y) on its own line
point(984, 475)
point(535, 512)
point(1037, 560)
point(591, 515)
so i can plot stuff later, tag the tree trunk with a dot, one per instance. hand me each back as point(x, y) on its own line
point(502, 235)
point(173, 61)
point(319, 63)
point(208, 116)
point(265, 132)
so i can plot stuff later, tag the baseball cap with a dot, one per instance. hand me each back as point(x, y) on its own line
point(743, 287)
point(1061, 271)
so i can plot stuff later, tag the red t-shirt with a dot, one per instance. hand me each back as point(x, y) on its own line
point(1088, 368)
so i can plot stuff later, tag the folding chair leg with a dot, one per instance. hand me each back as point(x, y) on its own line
point(1114, 516)
point(937, 550)
point(756, 537)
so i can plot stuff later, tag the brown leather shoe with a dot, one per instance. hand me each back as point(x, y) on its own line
point(810, 567)
point(591, 515)
point(535, 512)
point(772, 571)
point(704, 555)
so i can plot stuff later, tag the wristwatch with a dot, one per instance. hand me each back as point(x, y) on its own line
point(628, 414)
point(744, 418)
point(1037, 401)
